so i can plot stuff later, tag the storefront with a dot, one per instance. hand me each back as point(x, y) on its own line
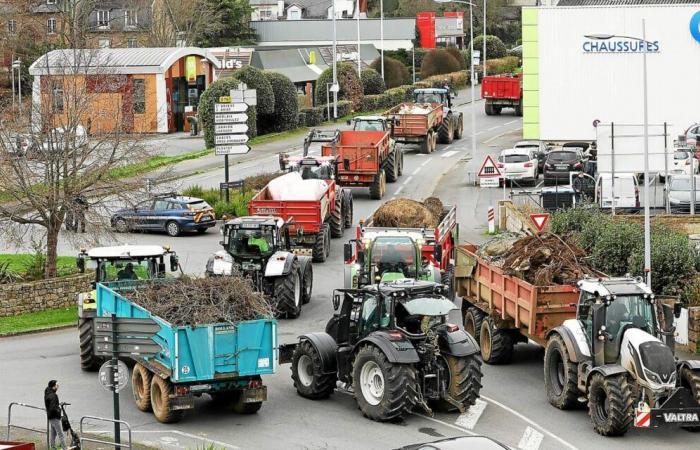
point(138, 90)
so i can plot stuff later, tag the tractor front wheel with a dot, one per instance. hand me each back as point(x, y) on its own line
point(560, 375)
point(288, 290)
point(308, 283)
point(89, 362)
point(610, 404)
point(307, 373)
point(336, 220)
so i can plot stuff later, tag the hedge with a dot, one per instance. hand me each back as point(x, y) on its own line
point(372, 82)
point(286, 105)
point(345, 108)
point(395, 73)
point(255, 79)
point(349, 82)
point(508, 64)
point(458, 55)
point(439, 61)
point(495, 48)
point(456, 80)
point(313, 116)
point(205, 109)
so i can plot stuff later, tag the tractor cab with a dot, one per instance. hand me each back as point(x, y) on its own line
point(313, 167)
point(433, 95)
point(371, 123)
point(249, 242)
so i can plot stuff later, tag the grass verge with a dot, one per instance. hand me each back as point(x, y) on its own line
point(156, 162)
point(41, 320)
point(18, 262)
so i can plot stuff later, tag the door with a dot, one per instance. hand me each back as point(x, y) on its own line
point(141, 219)
point(162, 211)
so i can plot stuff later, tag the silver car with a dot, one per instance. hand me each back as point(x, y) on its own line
point(679, 193)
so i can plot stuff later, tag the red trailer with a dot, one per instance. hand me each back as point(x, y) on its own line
point(417, 128)
point(502, 91)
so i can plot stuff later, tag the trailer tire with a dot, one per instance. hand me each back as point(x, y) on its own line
point(378, 187)
point(318, 253)
point(336, 219)
point(465, 381)
point(308, 283)
point(691, 380)
point(399, 153)
point(446, 130)
point(496, 344)
point(427, 144)
point(615, 392)
point(519, 110)
point(488, 109)
point(383, 391)
point(472, 322)
point(348, 209)
point(497, 110)
point(88, 361)
point(560, 375)
point(434, 142)
point(141, 387)
point(459, 130)
point(240, 407)
point(307, 373)
point(288, 290)
point(392, 168)
point(161, 390)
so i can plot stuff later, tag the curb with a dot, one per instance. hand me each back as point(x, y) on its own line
point(37, 331)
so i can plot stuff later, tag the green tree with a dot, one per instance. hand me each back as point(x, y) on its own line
point(372, 82)
point(255, 79)
point(234, 16)
point(348, 81)
point(495, 48)
point(395, 73)
point(438, 62)
point(286, 105)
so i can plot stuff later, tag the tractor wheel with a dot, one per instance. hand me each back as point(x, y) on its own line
point(308, 283)
point(560, 375)
point(446, 130)
point(448, 279)
point(392, 168)
point(384, 391)
point(318, 253)
point(288, 292)
point(399, 154)
point(472, 322)
point(88, 361)
point(496, 344)
point(307, 373)
point(427, 144)
point(161, 390)
point(336, 220)
point(610, 404)
point(141, 379)
point(377, 189)
point(327, 229)
point(348, 210)
point(691, 379)
point(465, 381)
point(434, 142)
point(459, 130)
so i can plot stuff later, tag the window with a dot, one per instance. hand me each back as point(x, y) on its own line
point(266, 14)
point(57, 96)
point(132, 43)
point(103, 18)
point(131, 18)
point(103, 43)
point(161, 205)
point(51, 25)
point(139, 96)
point(11, 26)
point(50, 2)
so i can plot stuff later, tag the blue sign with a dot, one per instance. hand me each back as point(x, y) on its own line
point(695, 26)
point(619, 45)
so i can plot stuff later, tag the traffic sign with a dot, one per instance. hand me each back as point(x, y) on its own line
point(489, 168)
point(230, 107)
point(244, 95)
point(224, 139)
point(226, 128)
point(230, 118)
point(224, 99)
point(237, 149)
point(540, 220)
point(232, 185)
point(105, 376)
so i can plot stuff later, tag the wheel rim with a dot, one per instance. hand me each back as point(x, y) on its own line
point(485, 341)
point(139, 385)
point(372, 382)
point(556, 372)
point(172, 228)
point(305, 370)
point(297, 290)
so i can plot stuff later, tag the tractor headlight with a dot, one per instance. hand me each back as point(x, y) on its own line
point(652, 376)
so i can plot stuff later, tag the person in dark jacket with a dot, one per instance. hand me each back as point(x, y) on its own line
point(53, 414)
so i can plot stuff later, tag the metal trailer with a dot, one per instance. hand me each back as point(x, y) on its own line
point(417, 128)
point(502, 91)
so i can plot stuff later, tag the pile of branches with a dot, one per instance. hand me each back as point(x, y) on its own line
point(199, 301)
point(546, 259)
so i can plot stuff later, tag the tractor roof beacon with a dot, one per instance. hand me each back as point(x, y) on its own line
point(258, 248)
point(391, 344)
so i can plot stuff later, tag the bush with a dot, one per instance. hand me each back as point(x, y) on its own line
point(420, 54)
point(286, 105)
point(457, 54)
point(256, 79)
point(395, 73)
point(614, 244)
point(438, 61)
point(205, 109)
point(350, 86)
point(345, 108)
point(313, 116)
point(372, 102)
point(210, 196)
point(495, 48)
point(509, 64)
point(397, 95)
point(456, 80)
point(372, 82)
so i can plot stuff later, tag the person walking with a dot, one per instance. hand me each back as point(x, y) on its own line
point(53, 414)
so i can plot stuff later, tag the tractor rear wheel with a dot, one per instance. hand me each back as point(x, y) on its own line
point(141, 387)
point(161, 390)
point(464, 384)
point(496, 344)
point(560, 375)
point(88, 361)
point(308, 283)
point(392, 168)
point(318, 253)
point(691, 379)
point(384, 391)
point(427, 144)
point(446, 130)
point(610, 404)
point(348, 210)
point(307, 373)
point(336, 220)
point(472, 322)
point(399, 154)
point(459, 130)
point(288, 291)
point(377, 189)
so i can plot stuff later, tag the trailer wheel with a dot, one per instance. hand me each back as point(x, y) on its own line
point(241, 407)
point(384, 391)
point(488, 108)
point(560, 375)
point(427, 144)
point(691, 379)
point(610, 404)
point(399, 153)
point(308, 283)
point(446, 130)
point(288, 292)
point(519, 110)
point(459, 130)
point(348, 209)
point(434, 142)
point(88, 361)
point(496, 344)
point(161, 390)
point(141, 387)
point(464, 384)
point(377, 189)
point(497, 110)
point(318, 253)
point(392, 168)
point(307, 373)
point(336, 220)
point(472, 322)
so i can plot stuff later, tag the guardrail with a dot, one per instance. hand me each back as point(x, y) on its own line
point(98, 441)
point(24, 405)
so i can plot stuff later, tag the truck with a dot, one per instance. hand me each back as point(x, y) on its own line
point(224, 360)
point(380, 254)
point(603, 341)
point(502, 91)
point(367, 155)
point(433, 118)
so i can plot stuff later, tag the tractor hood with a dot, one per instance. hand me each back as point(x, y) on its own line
point(649, 358)
point(429, 306)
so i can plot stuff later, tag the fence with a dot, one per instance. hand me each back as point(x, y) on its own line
point(35, 430)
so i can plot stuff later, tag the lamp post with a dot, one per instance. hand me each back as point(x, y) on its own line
point(18, 65)
point(381, 33)
point(335, 66)
point(359, 60)
point(483, 56)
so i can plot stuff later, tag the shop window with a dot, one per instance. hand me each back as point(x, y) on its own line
point(132, 43)
point(139, 96)
point(51, 25)
point(131, 18)
point(12, 26)
point(57, 96)
point(103, 18)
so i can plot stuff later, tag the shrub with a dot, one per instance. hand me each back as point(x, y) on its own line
point(495, 48)
point(210, 196)
point(395, 73)
point(286, 105)
point(372, 102)
point(345, 108)
point(455, 80)
point(614, 244)
point(372, 82)
point(420, 54)
point(313, 116)
point(509, 64)
point(457, 54)
point(349, 82)
point(397, 95)
point(438, 61)
point(256, 79)
point(205, 109)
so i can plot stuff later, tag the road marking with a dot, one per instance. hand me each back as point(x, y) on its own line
point(417, 170)
point(493, 128)
point(479, 132)
point(468, 419)
point(531, 440)
point(426, 161)
point(398, 191)
point(449, 154)
point(531, 422)
point(178, 432)
point(539, 185)
point(512, 121)
point(447, 147)
point(408, 180)
point(449, 425)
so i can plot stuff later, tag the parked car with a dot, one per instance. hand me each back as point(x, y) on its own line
point(540, 149)
point(519, 164)
point(626, 191)
point(684, 163)
point(559, 163)
point(680, 193)
point(692, 133)
point(170, 213)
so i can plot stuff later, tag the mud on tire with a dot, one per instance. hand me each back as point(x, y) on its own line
point(307, 373)
point(288, 291)
point(560, 375)
point(378, 187)
point(465, 381)
point(610, 404)
point(496, 344)
point(446, 130)
point(89, 362)
point(473, 318)
point(141, 379)
point(161, 390)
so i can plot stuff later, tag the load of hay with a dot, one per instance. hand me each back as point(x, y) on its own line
point(197, 301)
point(407, 213)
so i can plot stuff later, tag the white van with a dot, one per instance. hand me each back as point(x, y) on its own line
point(626, 191)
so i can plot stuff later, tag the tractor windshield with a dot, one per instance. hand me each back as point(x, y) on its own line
point(369, 125)
point(251, 242)
point(125, 270)
point(395, 255)
point(428, 97)
point(314, 172)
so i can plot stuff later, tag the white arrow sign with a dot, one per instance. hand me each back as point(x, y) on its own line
point(231, 139)
point(231, 149)
point(230, 118)
point(229, 128)
point(230, 107)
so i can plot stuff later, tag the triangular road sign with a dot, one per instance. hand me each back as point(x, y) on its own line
point(489, 168)
point(540, 220)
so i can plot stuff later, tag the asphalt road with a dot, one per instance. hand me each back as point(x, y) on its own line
point(513, 408)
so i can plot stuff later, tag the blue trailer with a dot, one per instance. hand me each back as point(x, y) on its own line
point(224, 360)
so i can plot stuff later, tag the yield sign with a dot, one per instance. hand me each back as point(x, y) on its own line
point(489, 168)
point(540, 220)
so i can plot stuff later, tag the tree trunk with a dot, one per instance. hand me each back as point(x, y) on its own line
point(51, 250)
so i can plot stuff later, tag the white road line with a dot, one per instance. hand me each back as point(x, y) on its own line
point(181, 433)
point(479, 132)
point(539, 185)
point(426, 161)
point(447, 147)
point(398, 191)
point(531, 440)
point(417, 170)
point(516, 413)
point(512, 121)
point(469, 419)
point(449, 425)
point(450, 153)
point(493, 128)
point(408, 180)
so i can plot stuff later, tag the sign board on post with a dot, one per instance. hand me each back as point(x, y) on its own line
point(105, 376)
point(540, 220)
point(489, 175)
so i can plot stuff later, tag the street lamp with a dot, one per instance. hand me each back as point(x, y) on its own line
point(359, 60)
point(335, 65)
point(647, 220)
point(381, 33)
point(17, 65)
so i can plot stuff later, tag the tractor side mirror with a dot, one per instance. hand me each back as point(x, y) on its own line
point(336, 301)
point(438, 253)
point(677, 306)
point(80, 262)
point(347, 252)
point(174, 263)
point(346, 164)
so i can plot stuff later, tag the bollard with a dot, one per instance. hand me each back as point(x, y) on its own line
point(491, 215)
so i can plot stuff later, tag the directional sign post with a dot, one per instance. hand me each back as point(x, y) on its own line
point(489, 175)
point(539, 220)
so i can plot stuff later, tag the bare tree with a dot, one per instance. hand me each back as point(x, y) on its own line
point(183, 23)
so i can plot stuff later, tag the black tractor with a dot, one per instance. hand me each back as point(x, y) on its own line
point(391, 345)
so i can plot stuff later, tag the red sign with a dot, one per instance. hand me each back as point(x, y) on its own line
point(642, 416)
point(425, 22)
point(489, 168)
point(540, 220)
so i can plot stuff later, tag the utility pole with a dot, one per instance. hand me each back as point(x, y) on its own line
point(335, 66)
point(473, 76)
point(359, 60)
point(647, 219)
point(483, 56)
point(381, 33)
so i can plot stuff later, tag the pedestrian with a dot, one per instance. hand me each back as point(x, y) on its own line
point(53, 414)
